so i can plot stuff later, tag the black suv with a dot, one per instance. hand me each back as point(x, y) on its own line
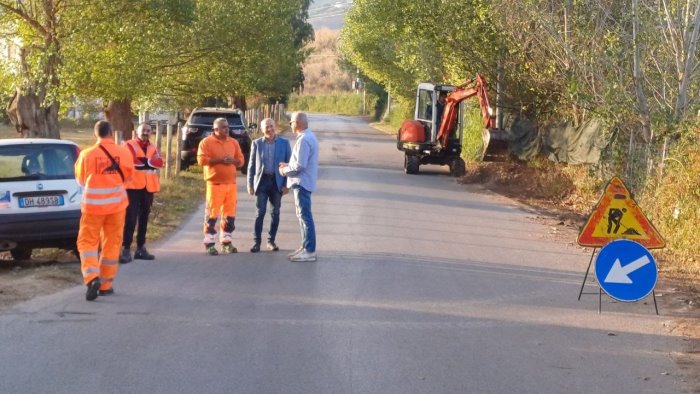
point(199, 125)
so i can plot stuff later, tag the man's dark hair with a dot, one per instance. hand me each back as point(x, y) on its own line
point(103, 128)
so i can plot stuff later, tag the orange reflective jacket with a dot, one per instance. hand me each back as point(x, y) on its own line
point(146, 164)
point(103, 188)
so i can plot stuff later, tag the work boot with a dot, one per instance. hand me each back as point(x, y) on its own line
point(211, 250)
point(107, 292)
point(93, 288)
point(271, 245)
point(125, 256)
point(227, 247)
point(255, 248)
point(142, 254)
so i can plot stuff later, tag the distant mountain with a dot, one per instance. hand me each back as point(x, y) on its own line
point(328, 13)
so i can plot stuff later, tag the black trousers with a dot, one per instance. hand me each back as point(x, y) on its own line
point(139, 208)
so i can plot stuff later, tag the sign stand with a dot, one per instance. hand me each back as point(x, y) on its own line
point(600, 290)
point(618, 226)
point(585, 277)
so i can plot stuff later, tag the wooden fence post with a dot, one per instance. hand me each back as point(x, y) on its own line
point(168, 148)
point(159, 136)
point(178, 152)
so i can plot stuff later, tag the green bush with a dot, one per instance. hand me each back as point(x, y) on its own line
point(336, 103)
point(672, 201)
point(472, 144)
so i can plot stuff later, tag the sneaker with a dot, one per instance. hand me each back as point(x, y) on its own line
point(107, 292)
point(296, 252)
point(228, 248)
point(93, 288)
point(142, 254)
point(271, 245)
point(211, 250)
point(255, 248)
point(125, 256)
point(304, 256)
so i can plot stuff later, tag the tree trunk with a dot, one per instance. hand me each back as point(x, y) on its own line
point(642, 106)
point(690, 64)
point(119, 114)
point(30, 118)
point(237, 102)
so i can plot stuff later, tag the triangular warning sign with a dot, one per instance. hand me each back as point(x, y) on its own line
point(617, 216)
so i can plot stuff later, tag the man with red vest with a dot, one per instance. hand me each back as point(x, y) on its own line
point(102, 170)
point(140, 190)
point(220, 156)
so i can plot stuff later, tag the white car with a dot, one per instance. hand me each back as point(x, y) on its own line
point(39, 196)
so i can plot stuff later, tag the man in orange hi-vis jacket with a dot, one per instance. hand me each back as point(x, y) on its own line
point(102, 170)
point(220, 155)
point(140, 190)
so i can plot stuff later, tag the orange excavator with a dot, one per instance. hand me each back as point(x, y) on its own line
point(434, 136)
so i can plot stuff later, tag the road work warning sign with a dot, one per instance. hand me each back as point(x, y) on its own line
point(617, 216)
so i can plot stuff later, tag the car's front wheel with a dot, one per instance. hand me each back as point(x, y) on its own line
point(21, 253)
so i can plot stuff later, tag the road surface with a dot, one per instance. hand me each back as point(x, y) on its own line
point(422, 285)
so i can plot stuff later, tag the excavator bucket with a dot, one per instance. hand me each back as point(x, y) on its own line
point(495, 145)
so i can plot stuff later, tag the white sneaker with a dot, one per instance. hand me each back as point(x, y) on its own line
point(296, 252)
point(304, 256)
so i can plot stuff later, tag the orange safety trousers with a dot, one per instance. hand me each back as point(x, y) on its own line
point(93, 262)
point(221, 202)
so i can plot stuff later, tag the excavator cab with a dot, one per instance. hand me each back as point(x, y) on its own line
point(434, 135)
point(418, 138)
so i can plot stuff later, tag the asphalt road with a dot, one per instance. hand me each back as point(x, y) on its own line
point(422, 285)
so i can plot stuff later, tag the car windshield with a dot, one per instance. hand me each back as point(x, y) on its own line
point(37, 161)
point(208, 119)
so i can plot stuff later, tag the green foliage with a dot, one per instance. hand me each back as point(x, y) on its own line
point(401, 110)
point(159, 53)
point(472, 144)
point(337, 103)
point(672, 201)
point(400, 44)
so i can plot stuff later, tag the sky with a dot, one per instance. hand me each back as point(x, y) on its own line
point(328, 13)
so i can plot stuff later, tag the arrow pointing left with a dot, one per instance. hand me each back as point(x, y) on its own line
point(620, 274)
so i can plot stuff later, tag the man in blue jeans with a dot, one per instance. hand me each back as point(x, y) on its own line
point(302, 173)
point(265, 182)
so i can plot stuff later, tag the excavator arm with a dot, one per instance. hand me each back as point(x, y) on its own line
point(473, 87)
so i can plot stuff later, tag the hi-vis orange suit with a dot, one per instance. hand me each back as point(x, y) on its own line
point(221, 186)
point(103, 208)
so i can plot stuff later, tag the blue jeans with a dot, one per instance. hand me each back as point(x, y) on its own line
point(302, 201)
point(267, 191)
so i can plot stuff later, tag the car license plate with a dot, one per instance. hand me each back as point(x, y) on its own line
point(40, 201)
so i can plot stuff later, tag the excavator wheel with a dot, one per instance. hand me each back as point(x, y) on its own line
point(411, 164)
point(457, 167)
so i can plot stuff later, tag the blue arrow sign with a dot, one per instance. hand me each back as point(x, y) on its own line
point(626, 270)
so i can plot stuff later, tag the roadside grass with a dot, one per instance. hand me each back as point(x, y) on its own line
point(336, 103)
point(178, 198)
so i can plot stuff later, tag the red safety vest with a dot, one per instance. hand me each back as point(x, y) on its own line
point(146, 174)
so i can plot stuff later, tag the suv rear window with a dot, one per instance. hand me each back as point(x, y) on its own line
point(37, 161)
point(208, 119)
